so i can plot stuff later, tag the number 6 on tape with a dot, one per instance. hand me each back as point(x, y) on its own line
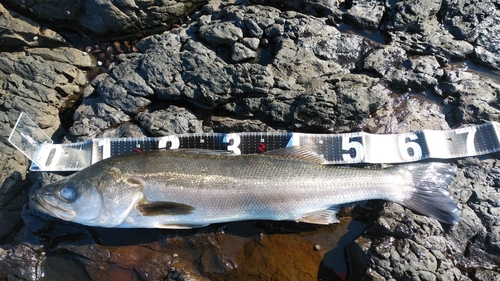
point(409, 147)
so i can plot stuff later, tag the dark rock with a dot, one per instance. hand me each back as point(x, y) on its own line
point(229, 125)
point(365, 14)
point(416, 74)
point(252, 43)
point(202, 76)
point(411, 16)
point(18, 31)
point(403, 114)
point(384, 59)
point(13, 195)
point(305, 75)
point(486, 275)
point(221, 33)
point(474, 98)
point(39, 82)
point(172, 120)
point(66, 55)
point(313, 7)
point(487, 49)
point(416, 28)
point(21, 261)
point(242, 53)
point(463, 18)
point(109, 18)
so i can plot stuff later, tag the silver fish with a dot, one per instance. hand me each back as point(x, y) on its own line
point(195, 188)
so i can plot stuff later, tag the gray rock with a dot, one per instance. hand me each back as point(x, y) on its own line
point(17, 31)
point(109, 18)
point(229, 125)
point(365, 14)
point(411, 15)
point(93, 117)
point(385, 58)
point(66, 55)
point(20, 261)
point(172, 120)
point(242, 53)
point(459, 21)
point(416, 74)
point(404, 114)
point(348, 102)
point(252, 43)
point(201, 75)
point(437, 41)
point(415, 27)
point(253, 28)
point(313, 7)
point(486, 275)
point(39, 82)
point(306, 76)
point(223, 33)
point(473, 97)
point(487, 49)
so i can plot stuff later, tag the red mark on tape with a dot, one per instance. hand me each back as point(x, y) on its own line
point(262, 147)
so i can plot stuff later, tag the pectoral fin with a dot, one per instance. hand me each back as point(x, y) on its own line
point(164, 208)
point(324, 217)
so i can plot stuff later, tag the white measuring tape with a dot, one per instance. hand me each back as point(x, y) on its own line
point(344, 148)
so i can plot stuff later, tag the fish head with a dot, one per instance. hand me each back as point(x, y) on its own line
point(96, 196)
point(69, 200)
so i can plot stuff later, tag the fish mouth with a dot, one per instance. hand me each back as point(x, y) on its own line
point(43, 205)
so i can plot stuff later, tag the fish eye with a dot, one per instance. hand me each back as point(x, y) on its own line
point(68, 193)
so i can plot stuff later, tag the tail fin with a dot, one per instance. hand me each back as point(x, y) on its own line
point(429, 195)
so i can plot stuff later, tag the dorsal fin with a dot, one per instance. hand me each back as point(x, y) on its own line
point(297, 153)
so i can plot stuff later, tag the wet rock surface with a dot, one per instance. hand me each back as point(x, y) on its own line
point(252, 66)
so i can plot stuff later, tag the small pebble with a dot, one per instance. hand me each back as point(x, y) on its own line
point(317, 247)
point(175, 255)
point(99, 63)
point(35, 38)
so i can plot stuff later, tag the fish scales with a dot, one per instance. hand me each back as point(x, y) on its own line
point(194, 188)
point(249, 187)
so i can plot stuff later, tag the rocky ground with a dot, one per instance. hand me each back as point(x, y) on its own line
point(235, 65)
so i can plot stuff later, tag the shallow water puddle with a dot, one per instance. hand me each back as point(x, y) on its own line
point(235, 251)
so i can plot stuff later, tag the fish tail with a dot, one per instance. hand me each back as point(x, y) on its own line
point(428, 191)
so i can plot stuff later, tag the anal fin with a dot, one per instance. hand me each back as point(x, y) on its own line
point(324, 217)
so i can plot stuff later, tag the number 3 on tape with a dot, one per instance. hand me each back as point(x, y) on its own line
point(233, 142)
